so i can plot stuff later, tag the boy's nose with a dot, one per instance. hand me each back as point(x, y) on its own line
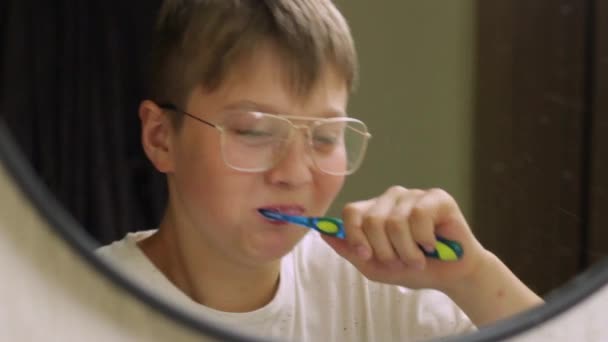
point(295, 167)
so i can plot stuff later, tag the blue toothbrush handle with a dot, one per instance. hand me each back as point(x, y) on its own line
point(445, 250)
point(331, 226)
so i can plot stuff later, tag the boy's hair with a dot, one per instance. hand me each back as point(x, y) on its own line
point(198, 41)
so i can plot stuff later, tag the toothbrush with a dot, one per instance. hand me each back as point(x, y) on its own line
point(445, 250)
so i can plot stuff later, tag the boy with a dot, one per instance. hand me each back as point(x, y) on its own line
point(247, 111)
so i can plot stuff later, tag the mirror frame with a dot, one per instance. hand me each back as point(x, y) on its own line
point(66, 227)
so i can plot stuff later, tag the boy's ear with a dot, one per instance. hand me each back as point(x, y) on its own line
point(156, 133)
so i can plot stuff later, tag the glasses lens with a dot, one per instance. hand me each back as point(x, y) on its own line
point(339, 145)
point(252, 141)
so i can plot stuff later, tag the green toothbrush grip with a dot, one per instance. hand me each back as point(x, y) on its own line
point(445, 250)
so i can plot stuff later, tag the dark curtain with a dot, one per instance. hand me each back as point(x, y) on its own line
point(71, 78)
point(540, 136)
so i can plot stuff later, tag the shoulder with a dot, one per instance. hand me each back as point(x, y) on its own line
point(126, 256)
point(125, 253)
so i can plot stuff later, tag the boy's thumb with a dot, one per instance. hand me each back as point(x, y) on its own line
point(339, 245)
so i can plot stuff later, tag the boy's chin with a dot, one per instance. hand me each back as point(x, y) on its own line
point(271, 248)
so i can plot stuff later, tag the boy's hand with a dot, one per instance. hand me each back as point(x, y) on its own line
point(383, 235)
point(382, 238)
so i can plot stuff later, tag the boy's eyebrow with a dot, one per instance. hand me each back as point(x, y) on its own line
point(266, 108)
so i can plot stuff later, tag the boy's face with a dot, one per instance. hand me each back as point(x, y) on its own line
point(216, 206)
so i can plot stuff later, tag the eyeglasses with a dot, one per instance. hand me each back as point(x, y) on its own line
point(255, 142)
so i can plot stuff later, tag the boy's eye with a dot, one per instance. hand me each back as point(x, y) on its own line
point(252, 137)
point(326, 143)
point(325, 139)
point(328, 134)
point(252, 133)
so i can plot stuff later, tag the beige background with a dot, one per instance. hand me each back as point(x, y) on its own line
point(415, 94)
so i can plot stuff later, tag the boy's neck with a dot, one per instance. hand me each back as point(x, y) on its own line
point(219, 285)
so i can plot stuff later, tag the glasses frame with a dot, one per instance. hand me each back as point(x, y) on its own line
point(288, 118)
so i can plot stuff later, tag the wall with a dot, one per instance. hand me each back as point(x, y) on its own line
point(415, 94)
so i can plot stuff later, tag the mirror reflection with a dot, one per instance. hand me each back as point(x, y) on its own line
point(245, 108)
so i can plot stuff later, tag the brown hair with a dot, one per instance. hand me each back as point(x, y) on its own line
point(198, 41)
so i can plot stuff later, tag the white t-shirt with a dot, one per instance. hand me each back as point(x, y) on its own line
point(320, 297)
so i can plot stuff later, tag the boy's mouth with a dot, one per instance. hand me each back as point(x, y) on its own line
point(285, 209)
point(282, 209)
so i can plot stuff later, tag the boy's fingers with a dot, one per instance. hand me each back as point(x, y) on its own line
point(438, 206)
point(446, 217)
point(374, 228)
point(374, 224)
point(399, 231)
point(340, 246)
point(352, 216)
point(375, 231)
point(422, 227)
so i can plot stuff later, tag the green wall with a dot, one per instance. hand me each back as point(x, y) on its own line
point(415, 94)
